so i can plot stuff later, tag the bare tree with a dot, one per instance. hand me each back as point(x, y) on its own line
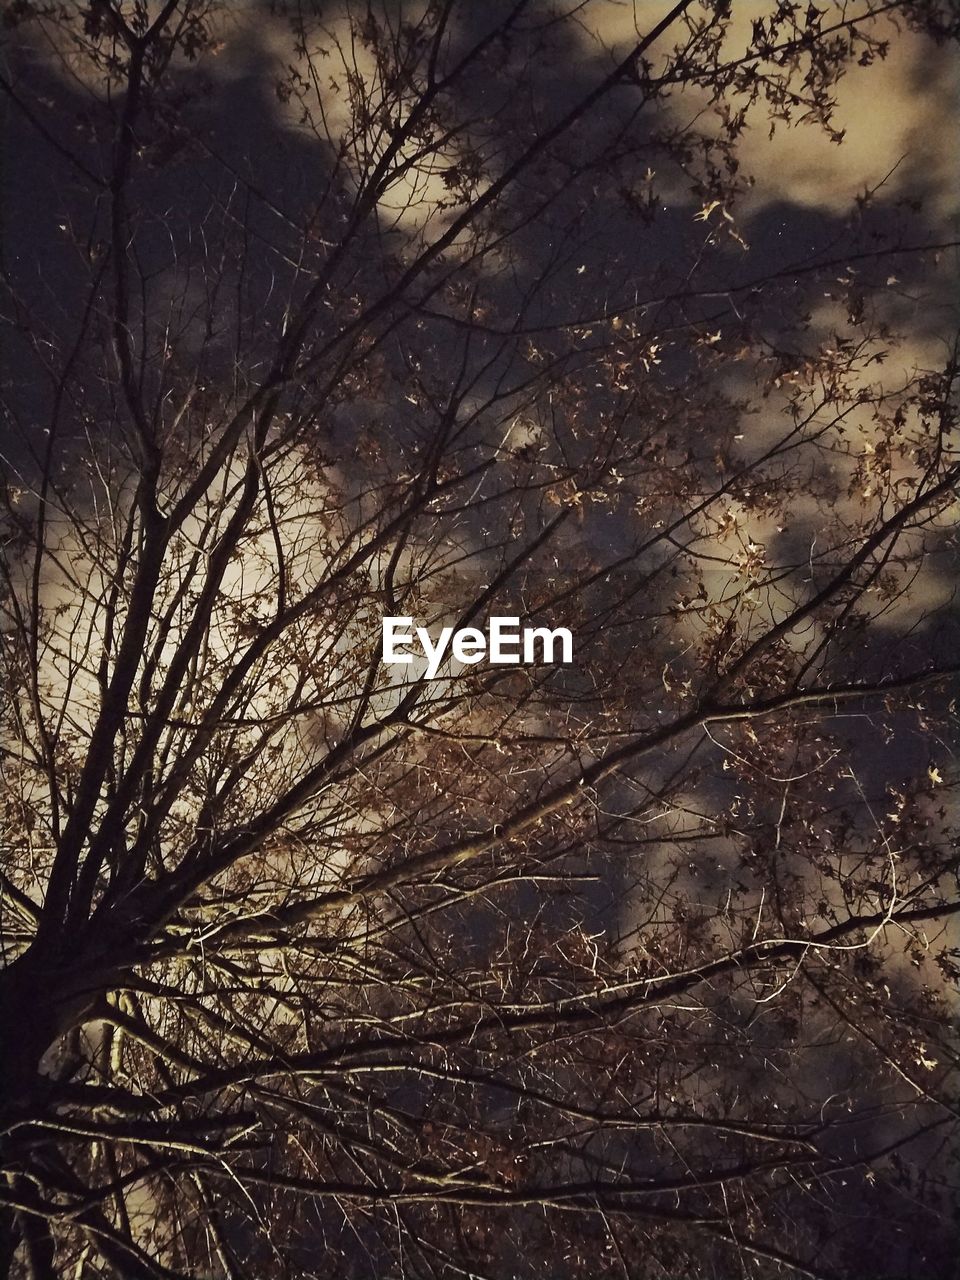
point(639, 965)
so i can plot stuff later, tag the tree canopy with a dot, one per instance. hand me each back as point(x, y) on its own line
point(632, 319)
